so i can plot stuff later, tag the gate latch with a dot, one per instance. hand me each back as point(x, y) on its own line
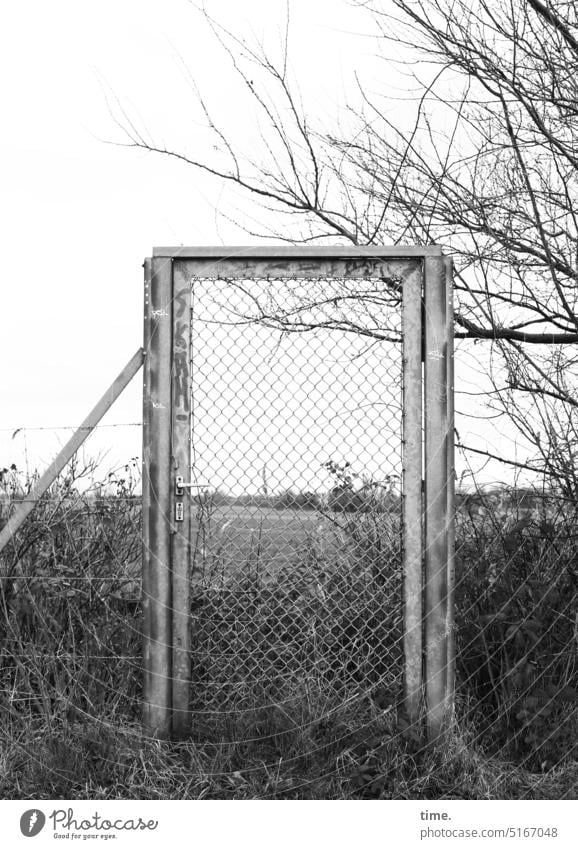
point(180, 485)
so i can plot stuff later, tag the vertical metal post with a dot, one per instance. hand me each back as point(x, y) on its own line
point(146, 494)
point(450, 625)
point(156, 499)
point(412, 494)
point(436, 498)
point(181, 504)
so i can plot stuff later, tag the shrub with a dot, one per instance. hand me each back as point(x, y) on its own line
point(516, 593)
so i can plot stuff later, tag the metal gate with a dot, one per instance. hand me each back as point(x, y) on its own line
point(298, 483)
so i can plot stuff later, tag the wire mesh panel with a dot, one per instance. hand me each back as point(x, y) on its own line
point(296, 440)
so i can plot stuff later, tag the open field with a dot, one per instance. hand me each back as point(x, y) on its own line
point(232, 541)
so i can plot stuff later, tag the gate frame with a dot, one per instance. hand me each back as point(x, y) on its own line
point(428, 471)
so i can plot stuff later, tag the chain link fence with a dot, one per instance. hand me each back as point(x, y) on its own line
point(297, 561)
point(296, 438)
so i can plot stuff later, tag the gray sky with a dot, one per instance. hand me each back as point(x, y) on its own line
point(79, 215)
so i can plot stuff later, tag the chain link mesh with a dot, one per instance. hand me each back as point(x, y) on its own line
point(296, 439)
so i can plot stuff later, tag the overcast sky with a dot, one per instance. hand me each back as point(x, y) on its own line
point(79, 214)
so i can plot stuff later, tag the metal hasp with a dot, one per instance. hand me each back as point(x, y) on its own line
point(428, 474)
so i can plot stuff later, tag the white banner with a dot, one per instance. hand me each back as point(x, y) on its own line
point(295, 825)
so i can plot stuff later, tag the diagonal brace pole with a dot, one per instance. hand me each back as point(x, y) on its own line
point(25, 507)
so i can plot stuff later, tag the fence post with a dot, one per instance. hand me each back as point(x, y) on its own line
point(436, 498)
point(156, 498)
point(412, 494)
point(450, 624)
point(181, 462)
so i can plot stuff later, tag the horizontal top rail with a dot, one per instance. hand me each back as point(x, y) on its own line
point(297, 251)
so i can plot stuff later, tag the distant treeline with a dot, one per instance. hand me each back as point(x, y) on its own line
point(368, 499)
point(346, 500)
point(339, 500)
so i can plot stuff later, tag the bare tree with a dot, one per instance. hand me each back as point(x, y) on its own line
point(487, 167)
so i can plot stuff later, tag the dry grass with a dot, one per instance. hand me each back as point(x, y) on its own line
point(324, 721)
